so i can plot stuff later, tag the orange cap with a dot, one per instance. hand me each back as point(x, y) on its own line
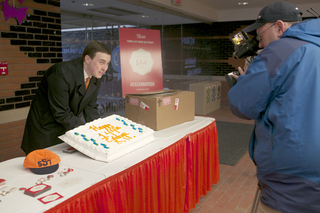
point(41, 158)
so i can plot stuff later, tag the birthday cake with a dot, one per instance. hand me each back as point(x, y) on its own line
point(106, 139)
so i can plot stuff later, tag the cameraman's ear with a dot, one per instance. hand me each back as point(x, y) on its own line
point(281, 27)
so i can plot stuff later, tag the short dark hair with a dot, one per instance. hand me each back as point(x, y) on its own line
point(93, 47)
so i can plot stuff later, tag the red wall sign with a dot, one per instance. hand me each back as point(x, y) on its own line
point(4, 68)
point(141, 64)
point(176, 2)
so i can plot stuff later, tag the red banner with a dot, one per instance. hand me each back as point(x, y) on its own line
point(140, 56)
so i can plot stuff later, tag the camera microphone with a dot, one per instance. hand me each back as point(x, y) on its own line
point(318, 15)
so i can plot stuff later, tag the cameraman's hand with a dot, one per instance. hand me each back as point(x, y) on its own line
point(242, 72)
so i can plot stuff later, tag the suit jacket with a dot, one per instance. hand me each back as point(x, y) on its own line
point(58, 105)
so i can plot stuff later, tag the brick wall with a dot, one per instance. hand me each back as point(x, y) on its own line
point(29, 49)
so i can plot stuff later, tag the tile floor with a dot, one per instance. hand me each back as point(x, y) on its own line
point(236, 189)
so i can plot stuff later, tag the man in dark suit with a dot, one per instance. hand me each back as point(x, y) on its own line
point(62, 98)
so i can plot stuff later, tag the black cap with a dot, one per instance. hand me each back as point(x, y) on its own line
point(280, 10)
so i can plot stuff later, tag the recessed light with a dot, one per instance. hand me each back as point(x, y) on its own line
point(243, 3)
point(88, 5)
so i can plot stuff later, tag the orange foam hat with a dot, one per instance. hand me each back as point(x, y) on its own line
point(42, 161)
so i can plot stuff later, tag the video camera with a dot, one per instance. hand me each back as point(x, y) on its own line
point(244, 46)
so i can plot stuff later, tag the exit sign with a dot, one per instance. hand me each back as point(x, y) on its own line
point(176, 2)
point(4, 68)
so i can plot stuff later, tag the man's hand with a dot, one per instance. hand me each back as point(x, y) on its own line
point(241, 71)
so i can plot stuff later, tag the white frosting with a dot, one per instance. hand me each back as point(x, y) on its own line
point(109, 138)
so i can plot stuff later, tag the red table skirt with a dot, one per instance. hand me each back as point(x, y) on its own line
point(172, 180)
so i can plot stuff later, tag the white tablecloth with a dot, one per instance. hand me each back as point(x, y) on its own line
point(86, 171)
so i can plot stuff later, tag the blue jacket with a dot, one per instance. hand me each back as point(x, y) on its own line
point(281, 92)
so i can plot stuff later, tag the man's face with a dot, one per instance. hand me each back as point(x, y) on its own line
point(267, 34)
point(98, 65)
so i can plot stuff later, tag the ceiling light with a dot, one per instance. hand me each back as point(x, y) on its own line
point(88, 5)
point(243, 3)
point(144, 16)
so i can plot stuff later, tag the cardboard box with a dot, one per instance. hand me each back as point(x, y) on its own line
point(207, 96)
point(160, 109)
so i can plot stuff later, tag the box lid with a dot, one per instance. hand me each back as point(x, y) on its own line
point(157, 93)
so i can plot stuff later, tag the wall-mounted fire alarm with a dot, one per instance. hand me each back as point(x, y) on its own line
point(4, 68)
point(176, 2)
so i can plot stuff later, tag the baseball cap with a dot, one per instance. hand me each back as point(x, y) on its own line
point(42, 161)
point(280, 10)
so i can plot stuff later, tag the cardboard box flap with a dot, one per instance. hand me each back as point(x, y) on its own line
point(157, 93)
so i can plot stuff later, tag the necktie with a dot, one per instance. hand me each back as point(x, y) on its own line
point(87, 82)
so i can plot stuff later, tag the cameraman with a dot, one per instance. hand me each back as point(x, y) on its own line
point(281, 92)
